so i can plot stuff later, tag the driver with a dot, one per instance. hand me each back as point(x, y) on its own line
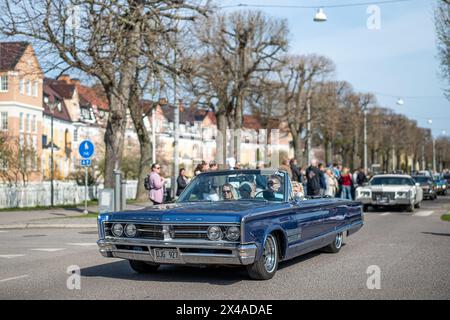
point(273, 189)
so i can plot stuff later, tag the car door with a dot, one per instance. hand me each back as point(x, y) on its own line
point(309, 217)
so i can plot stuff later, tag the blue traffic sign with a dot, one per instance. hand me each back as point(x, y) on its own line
point(86, 162)
point(86, 149)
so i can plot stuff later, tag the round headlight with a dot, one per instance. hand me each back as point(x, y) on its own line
point(215, 233)
point(233, 233)
point(117, 230)
point(130, 230)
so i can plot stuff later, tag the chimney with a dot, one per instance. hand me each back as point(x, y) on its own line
point(65, 78)
point(75, 82)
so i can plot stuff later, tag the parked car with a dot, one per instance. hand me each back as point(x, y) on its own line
point(250, 218)
point(447, 177)
point(391, 190)
point(428, 186)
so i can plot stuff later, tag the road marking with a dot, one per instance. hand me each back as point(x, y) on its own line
point(14, 278)
point(82, 244)
point(11, 256)
point(48, 249)
point(423, 214)
point(385, 214)
point(3, 231)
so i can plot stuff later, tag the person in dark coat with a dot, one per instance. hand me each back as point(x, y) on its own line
point(313, 179)
point(296, 173)
point(182, 181)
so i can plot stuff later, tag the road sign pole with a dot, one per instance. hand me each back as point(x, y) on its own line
point(85, 189)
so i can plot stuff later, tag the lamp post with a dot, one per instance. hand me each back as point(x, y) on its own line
point(430, 122)
point(365, 141)
point(51, 106)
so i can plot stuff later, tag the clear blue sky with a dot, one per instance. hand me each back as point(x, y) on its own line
point(399, 59)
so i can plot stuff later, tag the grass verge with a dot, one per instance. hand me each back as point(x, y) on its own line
point(446, 217)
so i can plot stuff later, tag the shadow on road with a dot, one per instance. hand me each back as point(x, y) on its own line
point(216, 275)
point(212, 275)
point(437, 234)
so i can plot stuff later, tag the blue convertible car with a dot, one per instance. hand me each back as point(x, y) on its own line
point(245, 217)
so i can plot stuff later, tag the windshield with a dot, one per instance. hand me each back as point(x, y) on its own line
point(422, 180)
point(228, 186)
point(378, 181)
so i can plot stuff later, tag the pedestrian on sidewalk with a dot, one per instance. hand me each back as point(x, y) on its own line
point(156, 193)
point(313, 179)
point(182, 181)
point(346, 183)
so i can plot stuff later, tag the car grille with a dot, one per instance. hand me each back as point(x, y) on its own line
point(189, 232)
point(155, 231)
point(389, 195)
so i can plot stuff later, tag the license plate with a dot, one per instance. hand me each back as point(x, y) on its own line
point(383, 200)
point(165, 254)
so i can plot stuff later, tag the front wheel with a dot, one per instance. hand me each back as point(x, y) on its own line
point(336, 245)
point(266, 267)
point(143, 267)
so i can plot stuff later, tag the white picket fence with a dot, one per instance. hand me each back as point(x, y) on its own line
point(65, 193)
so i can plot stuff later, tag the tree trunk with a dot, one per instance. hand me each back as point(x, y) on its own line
point(221, 139)
point(114, 136)
point(145, 144)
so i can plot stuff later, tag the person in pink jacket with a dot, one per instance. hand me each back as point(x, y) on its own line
point(156, 193)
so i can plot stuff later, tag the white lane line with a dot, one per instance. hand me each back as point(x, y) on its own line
point(11, 256)
point(14, 278)
point(82, 244)
point(3, 231)
point(385, 214)
point(423, 214)
point(48, 249)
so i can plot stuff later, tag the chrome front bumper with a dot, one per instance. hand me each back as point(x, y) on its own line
point(236, 254)
point(395, 202)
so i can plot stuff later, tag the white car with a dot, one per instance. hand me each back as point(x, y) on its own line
point(392, 190)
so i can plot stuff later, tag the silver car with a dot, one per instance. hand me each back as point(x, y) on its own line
point(392, 190)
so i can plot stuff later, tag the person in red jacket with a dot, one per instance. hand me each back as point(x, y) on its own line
point(346, 183)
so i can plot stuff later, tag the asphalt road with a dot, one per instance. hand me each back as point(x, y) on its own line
point(411, 251)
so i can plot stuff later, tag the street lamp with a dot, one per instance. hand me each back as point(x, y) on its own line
point(51, 106)
point(320, 16)
point(430, 122)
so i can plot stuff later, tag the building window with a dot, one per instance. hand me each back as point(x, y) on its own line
point(4, 121)
point(44, 140)
point(22, 86)
point(35, 158)
point(28, 88)
point(33, 124)
point(21, 121)
point(35, 88)
point(27, 123)
point(4, 83)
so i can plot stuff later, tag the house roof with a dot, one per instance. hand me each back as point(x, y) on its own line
point(52, 95)
point(11, 53)
point(190, 114)
point(92, 96)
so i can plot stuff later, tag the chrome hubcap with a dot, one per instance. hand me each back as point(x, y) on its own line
point(338, 240)
point(270, 254)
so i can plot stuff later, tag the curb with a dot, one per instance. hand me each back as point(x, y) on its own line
point(48, 226)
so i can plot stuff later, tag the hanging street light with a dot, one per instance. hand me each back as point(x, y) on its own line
point(320, 16)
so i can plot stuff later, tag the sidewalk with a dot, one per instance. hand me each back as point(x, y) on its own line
point(55, 218)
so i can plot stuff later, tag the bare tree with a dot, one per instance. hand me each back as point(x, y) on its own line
point(232, 50)
point(442, 22)
point(299, 76)
point(102, 38)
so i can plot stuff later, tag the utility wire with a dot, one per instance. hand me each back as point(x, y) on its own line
point(366, 3)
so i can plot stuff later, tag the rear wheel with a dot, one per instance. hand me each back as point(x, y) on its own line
point(366, 208)
point(417, 205)
point(336, 245)
point(266, 267)
point(143, 267)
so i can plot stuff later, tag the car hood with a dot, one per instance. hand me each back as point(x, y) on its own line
point(221, 211)
point(390, 188)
